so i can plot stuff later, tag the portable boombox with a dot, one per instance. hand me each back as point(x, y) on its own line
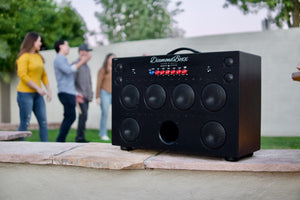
point(198, 103)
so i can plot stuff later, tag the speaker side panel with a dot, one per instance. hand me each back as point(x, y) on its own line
point(250, 103)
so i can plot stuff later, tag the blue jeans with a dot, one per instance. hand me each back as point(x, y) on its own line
point(69, 103)
point(104, 104)
point(29, 102)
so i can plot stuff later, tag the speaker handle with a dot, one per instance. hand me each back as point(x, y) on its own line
point(181, 49)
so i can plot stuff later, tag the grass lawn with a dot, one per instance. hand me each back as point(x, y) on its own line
point(280, 142)
point(92, 136)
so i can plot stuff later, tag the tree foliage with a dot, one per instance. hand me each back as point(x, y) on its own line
point(51, 21)
point(127, 20)
point(287, 11)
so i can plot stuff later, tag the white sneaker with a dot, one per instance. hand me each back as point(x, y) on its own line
point(105, 138)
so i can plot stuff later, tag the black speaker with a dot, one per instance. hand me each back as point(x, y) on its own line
point(199, 103)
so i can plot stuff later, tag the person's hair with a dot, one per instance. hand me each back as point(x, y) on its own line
point(27, 45)
point(57, 44)
point(105, 65)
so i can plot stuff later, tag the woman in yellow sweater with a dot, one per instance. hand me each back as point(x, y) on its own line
point(30, 68)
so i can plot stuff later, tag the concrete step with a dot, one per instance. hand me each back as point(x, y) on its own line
point(107, 156)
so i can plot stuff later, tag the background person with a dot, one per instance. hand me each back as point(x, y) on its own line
point(66, 86)
point(103, 93)
point(83, 85)
point(31, 71)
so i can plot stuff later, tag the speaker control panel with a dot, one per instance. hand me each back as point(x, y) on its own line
point(187, 67)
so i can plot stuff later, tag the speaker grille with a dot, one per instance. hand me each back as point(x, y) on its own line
point(130, 130)
point(213, 135)
point(183, 96)
point(213, 97)
point(130, 96)
point(155, 96)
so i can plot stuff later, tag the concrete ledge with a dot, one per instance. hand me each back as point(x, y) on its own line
point(13, 135)
point(107, 156)
point(261, 161)
point(33, 152)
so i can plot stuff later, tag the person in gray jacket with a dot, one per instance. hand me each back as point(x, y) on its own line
point(83, 84)
point(65, 85)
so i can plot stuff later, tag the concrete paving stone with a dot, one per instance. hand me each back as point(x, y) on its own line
point(104, 156)
point(107, 156)
point(33, 152)
point(263, 160)
point(12, 135)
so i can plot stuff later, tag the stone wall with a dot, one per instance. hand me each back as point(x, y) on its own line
point(279, 51)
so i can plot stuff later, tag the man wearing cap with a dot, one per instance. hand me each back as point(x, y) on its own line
point(83, 84)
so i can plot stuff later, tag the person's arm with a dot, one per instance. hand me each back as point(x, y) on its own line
point(76, 74)
point(83, 60)
point(46, 84)
point(62, 65)
point(98, 100)
point(36, 87)
point(66, 68)
point(49, 92)
point(92, 94)
point(99, 84)
point(22, 68)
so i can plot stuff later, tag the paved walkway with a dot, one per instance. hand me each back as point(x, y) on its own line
point(107, 156)
point(35, 170)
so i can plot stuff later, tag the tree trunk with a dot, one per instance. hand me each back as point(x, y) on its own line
point(5, 102)
point(296, 13)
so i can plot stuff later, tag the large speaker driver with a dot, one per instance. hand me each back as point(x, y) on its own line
point(213, 97)
point(213, 135)
point(183, 96)
point(130, 96)
point(130, 130)
point(155, 96)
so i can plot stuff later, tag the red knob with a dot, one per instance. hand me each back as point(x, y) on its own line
point(157, 72)
point(162, 72)
point(184, 71)
point(173, 72)
point(178, 71)
point(168, 72)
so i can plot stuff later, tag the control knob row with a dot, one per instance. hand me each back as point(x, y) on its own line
point(169, 72)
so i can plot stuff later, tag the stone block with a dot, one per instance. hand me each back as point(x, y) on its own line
point(13, 135)
point(104, 156)
point(33, 152)
point(261, 161)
